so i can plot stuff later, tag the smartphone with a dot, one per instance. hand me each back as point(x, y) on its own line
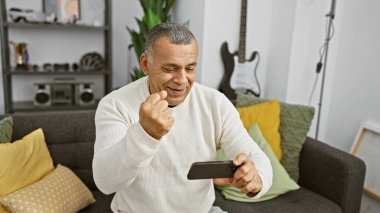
point(211, 169)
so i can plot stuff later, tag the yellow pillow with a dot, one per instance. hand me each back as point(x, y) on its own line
point(24, 162)
point(60, 191)
point(267, 116)
point(2, 209)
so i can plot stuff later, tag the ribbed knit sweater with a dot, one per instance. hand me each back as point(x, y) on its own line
point(150, 175)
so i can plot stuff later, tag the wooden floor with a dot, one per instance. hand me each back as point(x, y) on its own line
point(369, 205)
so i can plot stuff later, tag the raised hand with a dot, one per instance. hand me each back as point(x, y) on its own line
point(155, 116)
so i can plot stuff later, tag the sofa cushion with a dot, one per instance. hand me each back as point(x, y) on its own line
point(267, 116)
point(295, 121)
point(70, 137)
point(6, 129)
point(2, 209)
point(102, 204)
point(299, 201)
point(281, 184)
point(60, 191)
point(23, 162)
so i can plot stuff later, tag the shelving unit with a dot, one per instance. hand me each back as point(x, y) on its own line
point(63, 26)
point(9, 72)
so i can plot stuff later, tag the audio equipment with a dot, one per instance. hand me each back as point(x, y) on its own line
point(85, 94)
point(64, 93)
point(42, 95)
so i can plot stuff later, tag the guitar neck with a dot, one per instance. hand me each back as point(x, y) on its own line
point(243, 30)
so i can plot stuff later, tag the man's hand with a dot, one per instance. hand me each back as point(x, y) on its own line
point(245, 178)
point(155, 115)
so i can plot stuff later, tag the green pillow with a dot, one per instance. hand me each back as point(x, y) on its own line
point(6, 129)
point(281, 181)
point(295, 121)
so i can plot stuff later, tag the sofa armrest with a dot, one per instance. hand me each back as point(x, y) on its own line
point(332, 173)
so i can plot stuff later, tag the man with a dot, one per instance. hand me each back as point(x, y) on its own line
point(149, 132)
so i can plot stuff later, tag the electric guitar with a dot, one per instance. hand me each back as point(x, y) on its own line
point(239, 72)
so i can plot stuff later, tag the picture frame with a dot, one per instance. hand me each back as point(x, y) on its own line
point(367, 147)
point(65, 11)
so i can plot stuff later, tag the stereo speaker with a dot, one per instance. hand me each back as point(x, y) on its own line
point(85, 94)
point(42, 95)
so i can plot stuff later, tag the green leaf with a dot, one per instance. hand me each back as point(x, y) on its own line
point(143, 28)
point(151, 19)
point(168, 6)
point(186, 24)
point(147, 4)
point(155, 12)
point(158, 8)
point(138, 44)
point(137, 73)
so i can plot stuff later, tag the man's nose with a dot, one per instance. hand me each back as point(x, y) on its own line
point(180, 76)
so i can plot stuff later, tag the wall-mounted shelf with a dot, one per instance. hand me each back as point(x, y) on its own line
point(23, 80)
point(53, 26)
point(14, 72)
point(28, 106)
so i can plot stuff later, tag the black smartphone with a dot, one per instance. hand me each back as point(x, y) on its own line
point(211, 169)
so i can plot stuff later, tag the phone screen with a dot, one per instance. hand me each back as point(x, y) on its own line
point(211, 169)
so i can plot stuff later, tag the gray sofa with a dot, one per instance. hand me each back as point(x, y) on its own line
point(330, 180)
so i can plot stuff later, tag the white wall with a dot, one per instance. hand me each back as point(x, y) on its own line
point(288, 36)
point(308, 36)
point(124, 60)
point(351, 92)
point(356, 89)
point(194, 12)
point(222, 24)
point(68, 46)
point(351, 82)
point(279, 47)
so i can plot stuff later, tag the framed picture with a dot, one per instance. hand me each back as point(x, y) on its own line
point(367, 147)
point(66, 11)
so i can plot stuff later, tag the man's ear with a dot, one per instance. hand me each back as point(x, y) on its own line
point(144, 63)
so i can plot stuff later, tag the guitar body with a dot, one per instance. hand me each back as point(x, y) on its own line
point(229, 65)
point(243, 78)
point(239, 73)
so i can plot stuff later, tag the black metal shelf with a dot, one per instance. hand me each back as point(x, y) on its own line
point(17, 72)
point(9, 72)
point(52, 25)
point(28, 106)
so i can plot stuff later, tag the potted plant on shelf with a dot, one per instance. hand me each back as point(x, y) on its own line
point(155, 12)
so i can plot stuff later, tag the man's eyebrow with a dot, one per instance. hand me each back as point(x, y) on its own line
point(176, 65)
point(170, 65)
point(192, 64)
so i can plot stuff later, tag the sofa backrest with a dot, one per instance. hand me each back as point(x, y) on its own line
point(70, 137)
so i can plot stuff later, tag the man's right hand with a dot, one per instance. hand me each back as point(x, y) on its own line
point(155, 116)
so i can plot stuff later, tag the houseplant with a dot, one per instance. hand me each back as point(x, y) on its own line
point(155, 12)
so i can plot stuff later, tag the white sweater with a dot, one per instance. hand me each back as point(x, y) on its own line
point(150, 175)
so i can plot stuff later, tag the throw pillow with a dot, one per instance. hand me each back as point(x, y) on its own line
point(295, 121)
point(60, 191)
point(6, 129)
point(2, 209)
point(267, 116)
point(24, 162)
point(281, 183)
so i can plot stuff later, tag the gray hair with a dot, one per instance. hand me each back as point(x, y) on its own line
point(176, 33)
